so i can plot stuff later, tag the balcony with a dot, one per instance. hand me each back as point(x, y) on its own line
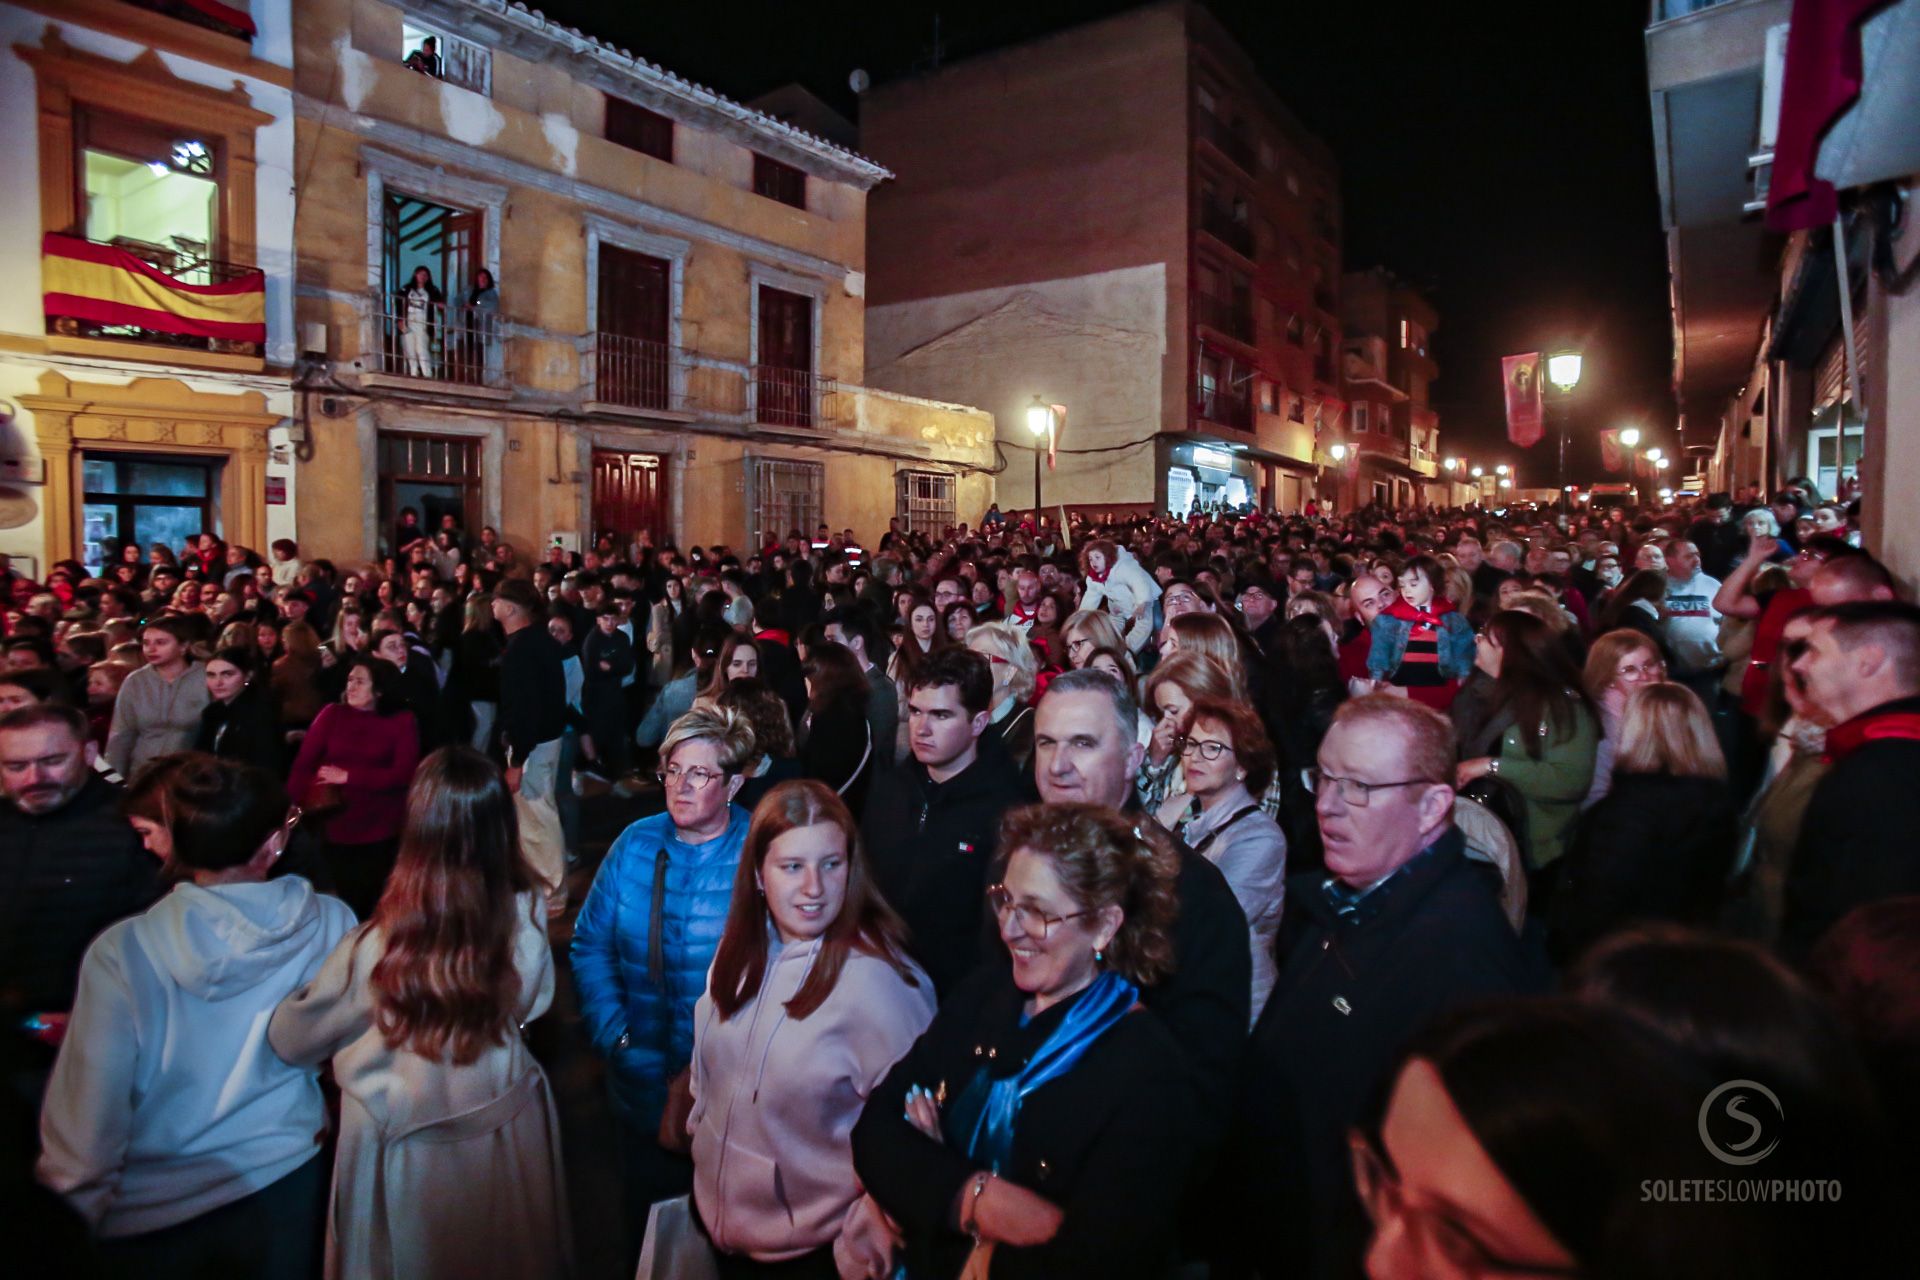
point(1230, 231)
point(132, 292)
point(1227, 140)
point(210, 14)
point(1225, 406)
point(1231, 317)
point(793, 397)
point(1424, 461)
point(641, 376)
point(441, 343)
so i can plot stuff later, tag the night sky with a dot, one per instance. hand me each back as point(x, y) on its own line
point(1498, 155)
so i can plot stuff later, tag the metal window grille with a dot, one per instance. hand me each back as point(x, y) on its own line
point(925, 500)
point(786, 496)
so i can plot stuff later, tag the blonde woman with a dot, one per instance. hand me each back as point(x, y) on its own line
point(1208, 635)
point(1619, 662)
point(1087, 630)
point(1015, 676)
point(1660, 845)
point(1175, 685)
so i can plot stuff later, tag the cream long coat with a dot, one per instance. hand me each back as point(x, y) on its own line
point(443, 1171)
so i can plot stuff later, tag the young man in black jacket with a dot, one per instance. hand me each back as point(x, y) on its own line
point(1399, 928)
point(533, 715)
point(931, 825)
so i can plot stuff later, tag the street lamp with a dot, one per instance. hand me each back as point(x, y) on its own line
point(1502, 469)
point(1040, 422)
point(1477, 472)
point(1563, 371)
point(1661, 463)
point(1631, 439)
point(1451, 464)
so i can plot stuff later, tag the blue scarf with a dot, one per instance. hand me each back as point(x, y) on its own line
point(1103, 1004)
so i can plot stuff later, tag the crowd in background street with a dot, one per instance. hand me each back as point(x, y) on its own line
point(1247, 894)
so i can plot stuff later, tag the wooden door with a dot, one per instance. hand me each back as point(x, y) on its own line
point(629, 496)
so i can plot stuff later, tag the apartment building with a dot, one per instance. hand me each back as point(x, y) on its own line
point(1122, 220)
point(1389, 429)
point(145, 364)
point(673, 344)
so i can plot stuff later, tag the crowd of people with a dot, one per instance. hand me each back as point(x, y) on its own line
point(1245, 895)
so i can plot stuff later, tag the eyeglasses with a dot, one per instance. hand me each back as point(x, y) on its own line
point(695, 778)
point(1205, 750)
point(1354, 792)
point(1033, 922)
point(1385, 1200)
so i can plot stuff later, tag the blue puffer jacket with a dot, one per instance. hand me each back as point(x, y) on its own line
point(631, 986)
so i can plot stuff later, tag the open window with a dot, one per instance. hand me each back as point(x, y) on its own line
point(433, 52)
point(152, 191)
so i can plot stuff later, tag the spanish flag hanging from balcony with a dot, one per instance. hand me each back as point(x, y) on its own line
point(101, 284)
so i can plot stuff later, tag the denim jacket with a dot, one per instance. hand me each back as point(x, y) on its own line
point(1390, 645)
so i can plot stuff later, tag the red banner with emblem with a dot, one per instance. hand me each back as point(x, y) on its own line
point(1526, 419)
point(1611, 455)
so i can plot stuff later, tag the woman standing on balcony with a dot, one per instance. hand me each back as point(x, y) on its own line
point(483, 320)
point(418, 303)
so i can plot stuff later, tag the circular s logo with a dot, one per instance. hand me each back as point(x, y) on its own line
point(1740, 1122)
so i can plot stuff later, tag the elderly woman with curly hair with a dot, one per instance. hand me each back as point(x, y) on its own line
point(1037, 1124)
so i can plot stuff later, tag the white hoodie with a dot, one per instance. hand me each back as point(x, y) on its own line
point(166, 1101)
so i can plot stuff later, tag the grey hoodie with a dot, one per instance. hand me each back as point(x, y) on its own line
point(166, 1102)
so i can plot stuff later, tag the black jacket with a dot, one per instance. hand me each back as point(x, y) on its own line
point(932, 846)
point(1106, 1142)
point(1654, 848)
point(1349, 994)
point(420, 684)
point(1207, 1001)
point(247, 729)
point(838, 749)
point(1858, 841)
point(64, 876)
point(533, 691)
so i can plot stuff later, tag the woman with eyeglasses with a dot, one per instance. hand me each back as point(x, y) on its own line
point(169, 1124)
point(1171, 690)
point(645, 938)
point(1619, 662)
point(810, 1000)
point(1228, 762)
point(1044, 1123)
point(1087, 630)
point(449, 1155)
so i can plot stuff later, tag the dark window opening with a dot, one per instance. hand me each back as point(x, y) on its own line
point(635, 127)
point(780, 182)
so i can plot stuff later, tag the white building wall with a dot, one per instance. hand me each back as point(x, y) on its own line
point(1094, 344)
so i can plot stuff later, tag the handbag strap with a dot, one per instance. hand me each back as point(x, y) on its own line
point(868, 751)
point(1206, 841)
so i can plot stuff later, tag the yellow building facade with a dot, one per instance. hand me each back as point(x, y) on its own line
point(145, 361)
point(674, 346)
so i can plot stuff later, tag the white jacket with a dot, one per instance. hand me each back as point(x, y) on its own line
point(1128, 592)
point(166, 1101)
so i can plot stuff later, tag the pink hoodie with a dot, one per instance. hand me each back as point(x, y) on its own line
point(775, 1098)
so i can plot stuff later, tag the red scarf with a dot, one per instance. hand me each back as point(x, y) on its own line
point(1018, 613)
point(1844, 740)
point(1100, 577)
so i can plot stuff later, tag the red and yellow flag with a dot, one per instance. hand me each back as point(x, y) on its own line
point(100, 284)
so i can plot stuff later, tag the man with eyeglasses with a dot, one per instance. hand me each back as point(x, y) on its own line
point(1400, 927)
point(1259, 604)
point(72, 864)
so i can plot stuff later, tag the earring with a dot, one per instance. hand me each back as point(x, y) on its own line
point(1099, 956)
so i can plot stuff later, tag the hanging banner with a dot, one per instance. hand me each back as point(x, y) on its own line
point(1056, 422)
point(101, 284)
point(1525, 417)
point(1612, 456)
